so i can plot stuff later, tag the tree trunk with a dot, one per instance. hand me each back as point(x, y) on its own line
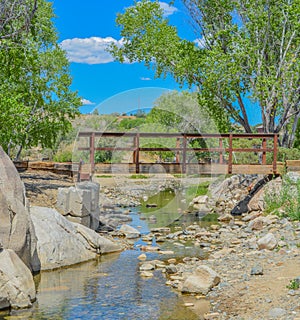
point(19, 153)
point(294, 129)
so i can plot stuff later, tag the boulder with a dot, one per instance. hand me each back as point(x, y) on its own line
point(63, 243)
point(80, 204)
point(16, 229)
point(268, 242)
point(16, 282)
point(97, 242)
point(201, 204)
point(200, 281)
point(130, 232)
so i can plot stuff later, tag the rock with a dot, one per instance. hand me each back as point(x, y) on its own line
point(80, 204)
point(147, 267)
point(171, 269)
point(293, 176)
point(62, 243)
point(277, 313)
point(97, 242)
point(142, 257)
point(201, 204)
point(16, 229)
point(257, 270)
point(256, 224)
point(146, 274)
point(130, 232)
point(16, 282)
point(225, 217)
point(151, 205)
point(267, 242)
point(201, 281)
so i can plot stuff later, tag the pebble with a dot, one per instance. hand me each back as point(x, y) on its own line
point(277, 312)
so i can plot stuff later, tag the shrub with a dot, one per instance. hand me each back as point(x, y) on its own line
point(64, 154)
point(288, 200)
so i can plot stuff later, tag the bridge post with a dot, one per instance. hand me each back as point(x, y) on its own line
point(230, 154)
point(92, 151)
point(275, 149)
point(184, 155)
point(221, 152)
point(264, 154)
point(136, 154)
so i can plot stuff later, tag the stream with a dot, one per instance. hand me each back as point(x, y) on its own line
point(111, 288)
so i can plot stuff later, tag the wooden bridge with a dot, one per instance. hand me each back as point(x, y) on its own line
point(192, 153)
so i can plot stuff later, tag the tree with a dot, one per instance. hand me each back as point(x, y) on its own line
point(16, 17)
point(247, 50)
point(181, 111)
point(36, 103)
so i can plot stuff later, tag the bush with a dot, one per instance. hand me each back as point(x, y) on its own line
point(64, 154)
point(287, 202)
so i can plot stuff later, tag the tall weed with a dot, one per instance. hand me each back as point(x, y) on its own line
point(286, 202)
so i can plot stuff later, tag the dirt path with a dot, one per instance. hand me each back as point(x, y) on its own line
point(41, 187)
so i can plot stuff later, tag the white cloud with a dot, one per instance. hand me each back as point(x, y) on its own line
point(89, 50)
point(87, 102)
point(145, 79)
point(168, 10)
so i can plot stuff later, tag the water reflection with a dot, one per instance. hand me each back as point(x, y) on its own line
point(111, 288)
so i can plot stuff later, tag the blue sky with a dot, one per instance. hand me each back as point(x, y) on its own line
point(85, 28)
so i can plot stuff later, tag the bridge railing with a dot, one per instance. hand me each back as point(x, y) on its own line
point(223, 145)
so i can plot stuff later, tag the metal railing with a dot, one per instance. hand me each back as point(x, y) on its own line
point(222, 145)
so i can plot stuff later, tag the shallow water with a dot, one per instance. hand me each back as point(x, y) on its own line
point(111, 288)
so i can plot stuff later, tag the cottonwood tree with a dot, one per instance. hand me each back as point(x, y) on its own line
point(246, 53)
point(16, 17)
point(36, 103)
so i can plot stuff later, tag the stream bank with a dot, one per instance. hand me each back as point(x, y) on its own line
point(254, 279)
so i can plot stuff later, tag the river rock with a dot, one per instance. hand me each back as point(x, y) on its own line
point(201, 204)
point(130, 232)
point(277, 313)
point(62, 243)
point(267, 242)
point(201, 281)
point(16, 229)
point(16, 282)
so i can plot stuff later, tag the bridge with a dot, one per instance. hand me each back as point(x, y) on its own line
point(193, 153)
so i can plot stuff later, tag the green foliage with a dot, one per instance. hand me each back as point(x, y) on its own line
point(294, 284)
point(128, 123)
point(36, 104)
point(286, 202)
point(197, 190)
point(288, 154)
point(297, 137)
point(64, 154)
point(138, 176)
point(245, 54)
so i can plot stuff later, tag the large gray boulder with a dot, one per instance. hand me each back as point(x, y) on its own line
point(17, 289)
point(16, 229)
point(80, 204)
point(63, 243)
